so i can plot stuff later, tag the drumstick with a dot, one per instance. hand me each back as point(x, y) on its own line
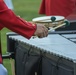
point(66, 23)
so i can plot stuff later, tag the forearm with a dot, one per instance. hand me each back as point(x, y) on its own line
point(11, 21)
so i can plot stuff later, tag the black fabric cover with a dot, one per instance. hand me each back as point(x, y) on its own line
point(51, 67)
point(27, 63)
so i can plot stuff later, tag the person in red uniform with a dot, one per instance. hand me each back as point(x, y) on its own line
point(57, 7)
point(9, 20)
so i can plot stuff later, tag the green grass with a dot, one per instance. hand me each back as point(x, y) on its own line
point(27, 9)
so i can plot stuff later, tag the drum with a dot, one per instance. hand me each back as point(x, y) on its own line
point(53, 55)
point(51, 21)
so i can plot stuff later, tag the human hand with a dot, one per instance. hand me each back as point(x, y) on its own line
point(41, 31)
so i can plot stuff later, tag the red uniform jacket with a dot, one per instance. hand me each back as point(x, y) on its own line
point(57, 7)
point(9, 20)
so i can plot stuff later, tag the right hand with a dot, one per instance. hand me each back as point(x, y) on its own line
point(41, 31)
